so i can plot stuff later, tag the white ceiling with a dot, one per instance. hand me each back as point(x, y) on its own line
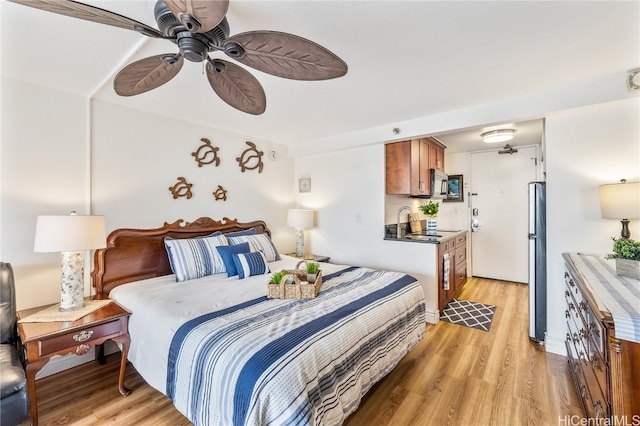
point(407, 59)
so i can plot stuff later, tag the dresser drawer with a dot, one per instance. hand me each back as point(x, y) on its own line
point(81, 336)
point(461, 255)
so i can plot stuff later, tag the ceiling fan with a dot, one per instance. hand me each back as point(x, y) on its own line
point(199, 27)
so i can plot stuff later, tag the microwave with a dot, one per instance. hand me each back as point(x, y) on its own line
point(439, 183)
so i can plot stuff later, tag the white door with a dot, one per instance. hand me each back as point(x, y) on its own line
point(499, 202)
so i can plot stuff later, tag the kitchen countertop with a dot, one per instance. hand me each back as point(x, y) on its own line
point(440, 236)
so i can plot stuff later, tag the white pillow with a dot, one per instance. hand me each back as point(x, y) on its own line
point(195, 257)
point(258, 242)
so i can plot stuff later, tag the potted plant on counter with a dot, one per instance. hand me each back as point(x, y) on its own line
point(431, 211)
point(626, 253)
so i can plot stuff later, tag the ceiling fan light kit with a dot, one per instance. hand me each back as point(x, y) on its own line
point(200, 27)
point(496, 136)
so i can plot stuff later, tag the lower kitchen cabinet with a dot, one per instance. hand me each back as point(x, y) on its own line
point(605, 365)
point(456, 249)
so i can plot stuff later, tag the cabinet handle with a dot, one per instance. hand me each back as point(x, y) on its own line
point(83, 336)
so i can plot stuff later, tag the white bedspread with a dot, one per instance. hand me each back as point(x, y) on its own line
point(161, 306)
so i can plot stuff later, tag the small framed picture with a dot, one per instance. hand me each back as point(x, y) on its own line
point(304, 185)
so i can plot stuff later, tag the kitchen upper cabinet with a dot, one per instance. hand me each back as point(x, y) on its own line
point(408, 163)
point(436, 154)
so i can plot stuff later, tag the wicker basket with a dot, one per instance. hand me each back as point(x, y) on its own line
point(296, 290)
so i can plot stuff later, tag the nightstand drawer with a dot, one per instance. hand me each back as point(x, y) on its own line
point(81, 336)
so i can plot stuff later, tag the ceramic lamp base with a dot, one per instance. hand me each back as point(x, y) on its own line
point(299, 242)
point(72, 282)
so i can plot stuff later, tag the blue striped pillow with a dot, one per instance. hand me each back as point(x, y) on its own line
point(195, 257)
point(258, 242)
point(249, 264)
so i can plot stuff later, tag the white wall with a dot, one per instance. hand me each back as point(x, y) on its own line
point(137, 156)
point(44, 171)
point(119, 163)
point(586, 147)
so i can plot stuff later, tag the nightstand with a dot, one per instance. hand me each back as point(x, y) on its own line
point(42, 340)
point(314, 257)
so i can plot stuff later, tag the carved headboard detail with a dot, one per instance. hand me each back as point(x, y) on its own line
point(138, 254)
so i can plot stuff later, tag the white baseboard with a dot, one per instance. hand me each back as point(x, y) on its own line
point(60, 363)
point(432, 316)
point(555, 345)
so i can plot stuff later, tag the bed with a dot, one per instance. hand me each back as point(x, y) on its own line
point(225, 353)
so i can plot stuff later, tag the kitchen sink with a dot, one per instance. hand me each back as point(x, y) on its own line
point(422, 236)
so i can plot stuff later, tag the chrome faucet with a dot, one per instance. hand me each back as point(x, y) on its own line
point(398, 230)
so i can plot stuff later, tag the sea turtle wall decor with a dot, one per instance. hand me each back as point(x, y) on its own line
point(206, 153)
point(220, 193)
point(251, 158)
point(182, 188)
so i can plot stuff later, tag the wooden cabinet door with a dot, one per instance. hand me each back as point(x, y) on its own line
point(398, 167)
point(422, 185)
point(407, 167)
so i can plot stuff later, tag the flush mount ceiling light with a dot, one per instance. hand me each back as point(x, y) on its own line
point(633, 80)
point(500, 135)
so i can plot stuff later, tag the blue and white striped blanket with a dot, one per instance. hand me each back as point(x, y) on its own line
point(298, 362)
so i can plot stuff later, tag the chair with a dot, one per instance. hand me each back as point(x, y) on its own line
point(14, 401)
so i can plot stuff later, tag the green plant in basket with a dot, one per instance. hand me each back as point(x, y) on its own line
point(313, 267)
point(277, 277)
point(430, 209)
point(625, 248)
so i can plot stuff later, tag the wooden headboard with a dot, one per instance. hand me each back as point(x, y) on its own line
point(138, 254)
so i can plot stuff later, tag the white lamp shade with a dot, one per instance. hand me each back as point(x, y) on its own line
point(69, 233)
point(300, 218)
point(620, 201)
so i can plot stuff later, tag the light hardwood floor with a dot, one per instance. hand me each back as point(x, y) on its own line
point(455, 376)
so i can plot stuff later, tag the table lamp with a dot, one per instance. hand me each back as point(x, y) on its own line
point(71, 235)
point(300, 219)
point(620, 201)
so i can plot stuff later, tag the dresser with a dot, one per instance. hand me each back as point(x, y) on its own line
point(602, 312)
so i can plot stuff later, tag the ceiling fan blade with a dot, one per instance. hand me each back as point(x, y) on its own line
point(236, 86)
point(284, 55)
point(147, 74)
point(91, 13)
point(199, 16)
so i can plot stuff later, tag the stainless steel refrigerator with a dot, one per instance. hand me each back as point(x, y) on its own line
point(537, 261)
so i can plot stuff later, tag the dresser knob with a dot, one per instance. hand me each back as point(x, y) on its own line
point(83, 336)
point(82, 349)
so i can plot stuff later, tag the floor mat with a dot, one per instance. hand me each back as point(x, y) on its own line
point(470, 314)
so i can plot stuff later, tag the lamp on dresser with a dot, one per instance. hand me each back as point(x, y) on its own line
point(620, 201)
point(71, 235)
point(300, 219)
